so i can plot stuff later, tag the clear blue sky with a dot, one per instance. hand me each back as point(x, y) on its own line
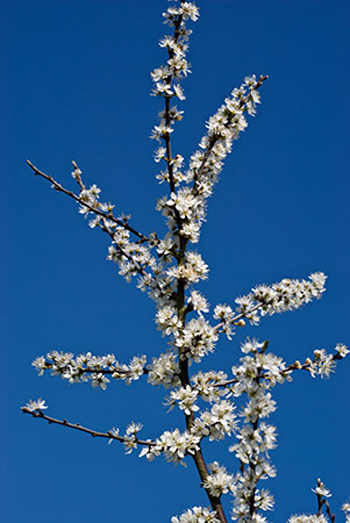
point(76, 86)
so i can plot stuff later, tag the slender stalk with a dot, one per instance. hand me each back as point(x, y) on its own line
point(329, 512)
point(71, 194)
point(77, 426)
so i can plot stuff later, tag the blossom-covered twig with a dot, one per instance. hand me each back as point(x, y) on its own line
point(322, 364)
point(229, 117)
point(286, 295)
point(86, 366)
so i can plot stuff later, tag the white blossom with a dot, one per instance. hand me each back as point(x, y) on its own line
point(185, 398)
point(323, 364)
point(342, 350)
point(36, 405)
point(307, 519)
point(322, 490)
point(99, 380)
point(164, 370)
point(174, 445)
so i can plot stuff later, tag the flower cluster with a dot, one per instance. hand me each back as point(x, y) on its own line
point(196, 515)
point(206, 385)
point(197, 339)
point(256, 374)
point(218, 482)
point(323, 364)
point(193, 269)
point(307, 519)
point(185, 398)
point(225, 314)
point(175, 445)
point(283, 296)
point(216, 423)
point(346, 510)
point(167, 85)
point(133, 257)
point(164, 370)
point(177, 66)
point(130, 437)
point(87, 367)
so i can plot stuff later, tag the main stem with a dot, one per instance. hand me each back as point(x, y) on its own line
point(198, 457)
point(181, 297)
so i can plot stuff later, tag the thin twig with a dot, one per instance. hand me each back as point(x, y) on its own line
point(71, 194)
point(94, 433)
point(329, 512)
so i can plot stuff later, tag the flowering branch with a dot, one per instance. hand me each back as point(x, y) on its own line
point(86, 366)
point(322, 364)
point(243, 103)
point(283, 296)
point(169, 277)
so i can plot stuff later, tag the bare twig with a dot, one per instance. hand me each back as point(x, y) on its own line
point(94, 433)
point(329, 512)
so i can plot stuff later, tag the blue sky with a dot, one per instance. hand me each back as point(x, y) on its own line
point(76, 86)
